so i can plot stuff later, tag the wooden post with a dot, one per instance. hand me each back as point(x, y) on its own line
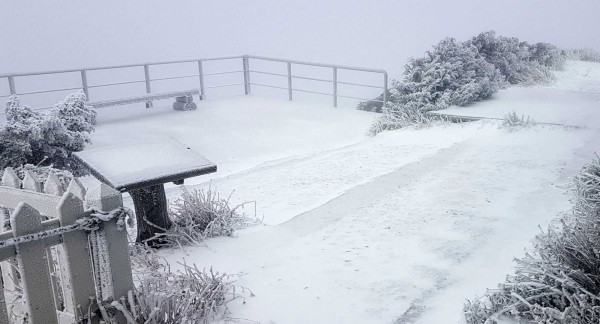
point(151, 213)
point(33, 266)
point(112, 261)
point(9, 267)
point(74, 259)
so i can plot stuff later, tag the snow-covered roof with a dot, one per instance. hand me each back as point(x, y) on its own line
point(136, 165)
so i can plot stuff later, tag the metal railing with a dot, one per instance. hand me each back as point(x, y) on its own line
point(245, 71)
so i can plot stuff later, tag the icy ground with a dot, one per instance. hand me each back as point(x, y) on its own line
point(399, 228)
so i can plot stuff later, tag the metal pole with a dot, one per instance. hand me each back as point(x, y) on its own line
point(84, 83)
point(201, 76)
point(246, 75)
point(289, 70)
point(385, 88)
point(148, 88)
point(335, 87)
point(11, 85)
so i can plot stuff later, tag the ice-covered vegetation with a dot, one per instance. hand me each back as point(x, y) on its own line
point(46, 139)
point(513, 120)
point(459, 73)
point(165, 297)
point(558, 281)
point(584, 54)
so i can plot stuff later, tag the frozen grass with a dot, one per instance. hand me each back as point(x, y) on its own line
point(513, 120)
point(583, 54)
point(404, 116)
point(558, 281)
point(188, 296)
point(200, 214)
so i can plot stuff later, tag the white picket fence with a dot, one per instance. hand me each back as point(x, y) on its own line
point(60, 250)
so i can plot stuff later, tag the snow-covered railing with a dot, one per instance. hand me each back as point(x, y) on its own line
point(60, 250)
point(195, 69)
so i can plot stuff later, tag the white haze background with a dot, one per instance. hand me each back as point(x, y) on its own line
point(45, 35)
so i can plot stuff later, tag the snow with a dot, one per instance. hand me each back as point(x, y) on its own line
point(573, 100)
point(126, 164)
point(399, 228)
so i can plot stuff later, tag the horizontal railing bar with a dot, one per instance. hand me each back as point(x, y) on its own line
point(352, 68)
point(315, 92)
point(5, 96)
point(268, 73)
point(178, 77)
point(312, 79)
point(224, 85)
point(359, 98)
point(360, 85)
point(226, 72)
point(47, 91)
point(108, 67)
point(114, 84)
point(268, 85)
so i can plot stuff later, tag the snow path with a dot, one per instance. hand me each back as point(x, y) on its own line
point(435, 225)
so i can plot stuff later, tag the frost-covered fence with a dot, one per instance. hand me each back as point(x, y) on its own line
point(56, 255)
point(124, 84)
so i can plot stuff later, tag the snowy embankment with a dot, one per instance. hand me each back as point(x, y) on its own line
point(574, 99)
point(402, 227)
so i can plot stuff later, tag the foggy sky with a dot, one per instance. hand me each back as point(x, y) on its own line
point(44, 35)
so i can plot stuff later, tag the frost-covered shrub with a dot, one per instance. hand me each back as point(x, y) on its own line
point(519, 62)
point(46, 139)
point(583, 54)
point(513, 120)
point(200, 214)
point(558, 281)
point(189, 296)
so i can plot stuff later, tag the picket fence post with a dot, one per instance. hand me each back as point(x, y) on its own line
point(9, 267)
point(33, 266)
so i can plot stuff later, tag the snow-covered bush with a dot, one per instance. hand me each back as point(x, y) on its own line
point(513, 120)
point(519, 62)
point(558, 281)
point(400, 116)
point(200, 214)
point(583, 54)
point(188, 296)
point(46, 139)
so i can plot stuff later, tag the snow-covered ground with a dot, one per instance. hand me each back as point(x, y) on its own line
point(574, 99)
point(399, 228)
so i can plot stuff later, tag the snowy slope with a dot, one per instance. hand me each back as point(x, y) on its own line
point(573, 99)
point(399, 228)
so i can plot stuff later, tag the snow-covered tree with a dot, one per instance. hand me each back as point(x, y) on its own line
point(46, 139)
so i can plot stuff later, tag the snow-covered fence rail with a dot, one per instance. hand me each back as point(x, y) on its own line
point(56, 255)
point(17, 83)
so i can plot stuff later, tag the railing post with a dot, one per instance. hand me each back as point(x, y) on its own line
point(11, 85)
point(84, 83)
point(335, 87)
point(148, 88)
point(385, 89)
point(246, 75)
point(289, 75)
point(201, 76)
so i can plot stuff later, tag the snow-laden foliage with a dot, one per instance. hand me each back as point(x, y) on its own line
point(201, 214)
point(188, 296)
point(46, 139)
point(459, 73)
point(558, 281)
point(583, 54)
point(519, 62)
point(453, 73)
point(404, 116)
point(512, 120)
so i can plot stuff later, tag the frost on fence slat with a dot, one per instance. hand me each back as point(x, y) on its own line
point(31, 182)
point(33, 266)
point(111, 241)
point(10, 178)
point(8, 267)
point(44, 203)
point(52, 186)
point(76, 272)
point(3, 310)
point(75, 187)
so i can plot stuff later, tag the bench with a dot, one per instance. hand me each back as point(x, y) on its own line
point(183, 101)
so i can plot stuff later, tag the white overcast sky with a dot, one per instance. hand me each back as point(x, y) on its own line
point(43, 35)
